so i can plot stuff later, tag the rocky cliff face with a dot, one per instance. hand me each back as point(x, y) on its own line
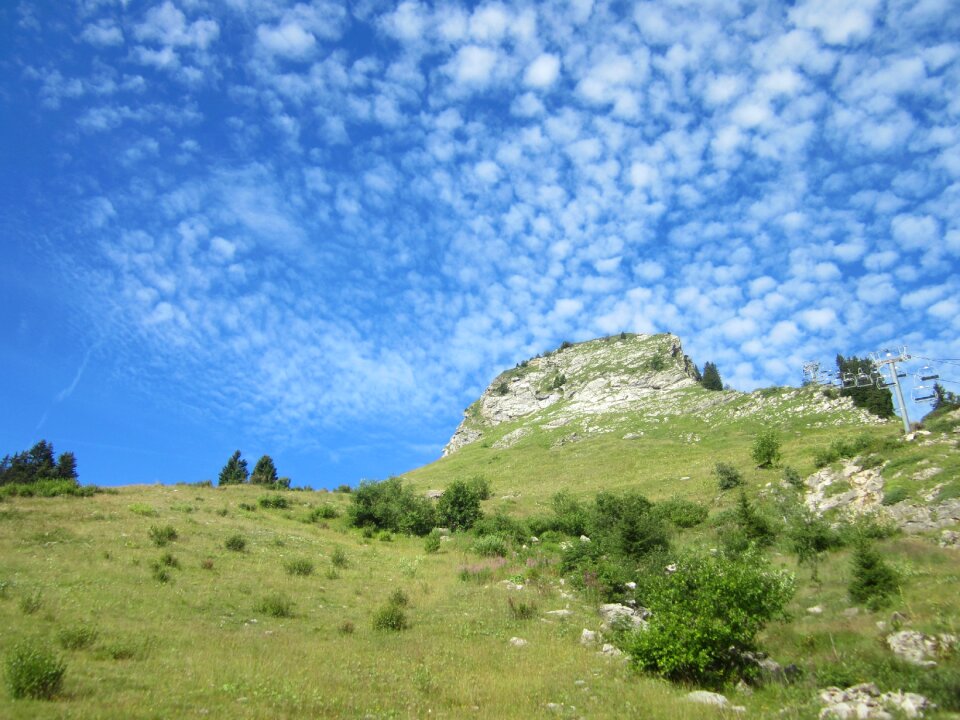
point(645, 374)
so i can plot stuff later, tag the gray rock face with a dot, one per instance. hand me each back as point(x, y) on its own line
point(863, 495)
point(920, 649)
point(616, 615)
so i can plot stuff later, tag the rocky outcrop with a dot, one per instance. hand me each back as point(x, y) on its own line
point(866, 701)
point(860, 491)
point(919, 649)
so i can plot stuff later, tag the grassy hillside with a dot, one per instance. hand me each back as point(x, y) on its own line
point(192, 628)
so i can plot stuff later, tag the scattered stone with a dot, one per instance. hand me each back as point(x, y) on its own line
point(927, 473)
point(554, 707)
point(633, 436)
point(510, 585)
point(616, 615)
point(815, 610)
point(561, 614)
point(518, 642)
point(768, 668)
point(434, 494)
point(865, 701)
point(610, 650)
point(950, 539)
point(670, 569)
point(588, 637)
point(705, 697)
point(851, 612)
point(920, 649)
point(534, 539)
point(630, 585)
point(584, 539)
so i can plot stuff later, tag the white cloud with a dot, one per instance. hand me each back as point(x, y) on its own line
point(289, 40)
point(915, 232)
point(840, 22)
point(103, 33)
point(543, 71)
point(166, 24)
point(473, 65)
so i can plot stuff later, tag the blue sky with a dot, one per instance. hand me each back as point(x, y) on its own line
point(317, 230)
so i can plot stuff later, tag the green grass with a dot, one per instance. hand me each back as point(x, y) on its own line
point(241, 635)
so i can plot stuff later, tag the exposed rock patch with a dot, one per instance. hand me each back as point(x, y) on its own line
point(920, 649)
point(866, 701)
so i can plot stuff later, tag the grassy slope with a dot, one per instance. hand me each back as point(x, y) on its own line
point(198, 645)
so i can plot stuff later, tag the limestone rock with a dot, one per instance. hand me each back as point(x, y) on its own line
point(920, 649)
point(866, 701)
point(588, 637)
point(616, 615)
point(518, 642)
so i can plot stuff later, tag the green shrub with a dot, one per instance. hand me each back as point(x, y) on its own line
point(236, 542)
point(346, 628)
point(571, 515)
point(160, 573)
point(168, 560)
point(431, 543)
point(793, 478)
point(490, 546)
point(480, 486)
point(681, 513)
point(824, 456)
point(503, 525)
point(459, 506)
point(873, 581)
point(323, 512)
point(33, 672)
point(77, 638)
point(728, 477)
point(277, 605)
point(385, 536)
point(300, 567)
point(708, 606)
point(276, 502)
point(143, 509)
point(162, 535)
point(390, 617)
point(391, 505)
point(247, 506)
point(895, 495)
point(766, 449)
point(399, 598)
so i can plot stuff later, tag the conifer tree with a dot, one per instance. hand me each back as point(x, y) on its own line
point(67, 466)
point(876, 400)
point(235, 471)
point(264, 472)
point(711, 377)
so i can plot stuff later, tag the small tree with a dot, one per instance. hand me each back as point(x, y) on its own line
point(67, 466)
point(235, 471)
point(711, 377)
point(728, 477)
point(873, 580)
point(264, 472)
point(459, 506)
point(766, 449)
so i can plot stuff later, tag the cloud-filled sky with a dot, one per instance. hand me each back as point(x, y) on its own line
point(318, 229)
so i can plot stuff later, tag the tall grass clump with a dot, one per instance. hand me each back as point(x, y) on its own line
point(33, 672)
point(276, 502)
point(162, 534)
point(339, 557)
point(77, 638)
point(236, 542)
point(277, 605)
point(299, 567)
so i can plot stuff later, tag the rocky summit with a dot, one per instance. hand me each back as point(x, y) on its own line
point(595, 386)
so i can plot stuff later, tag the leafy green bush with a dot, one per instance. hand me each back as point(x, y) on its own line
point(431, 543)
point(77, 638)
point(161, 535)
point(793, 478)
point(491, 546)
point(459, 506)
point(391, 505)
point(391, 618)
point(143, 509)
point(873, 581)
point(481, 486)
point(705, 614)
point(503, 525)
point(33, 672)
point(728, 477)
point(681, 513)
point(323, 512)
point(276, 502)
point(236, 542)
point(571, 515)
point(626, 525)
point(277, 605)
point(766, 448)
point(300, 567)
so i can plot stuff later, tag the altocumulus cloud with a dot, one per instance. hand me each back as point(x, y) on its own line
point(318, 214)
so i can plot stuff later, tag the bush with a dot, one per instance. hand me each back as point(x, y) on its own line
point(503, 525)
point(490, 546)
point(77, 638)
point(323, 512)
point(728, 477)
point(521, 610)
point(480, 485)
point(766, 449)
point(399, 598)
point(572, 515)
point(681, 513)
point(793, 478)
point(237, 543)
point(161, 535)
point(277, 502)
point(33, 672)
point(873, 581)
point(705, 615)
point(390, 505)
point(30, 604)
point(459, 506)
point(277, 605)
point(390, 617)
point(300, 567)
point(431, 543)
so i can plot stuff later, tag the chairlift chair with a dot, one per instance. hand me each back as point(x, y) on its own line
point(863, 379)
point(922, 393)
point(848, 379)
point(927, 373)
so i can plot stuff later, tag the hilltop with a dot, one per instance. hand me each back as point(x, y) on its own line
point(243, 602)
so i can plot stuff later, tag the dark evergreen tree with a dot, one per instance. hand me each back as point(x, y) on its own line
point(235, 471)
point(67, 466)
point(264, 472)
point(711, 377)
point(871, 398)
point(944, 398)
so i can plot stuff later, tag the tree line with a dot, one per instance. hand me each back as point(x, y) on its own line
point(236, 472)
point(37, 464)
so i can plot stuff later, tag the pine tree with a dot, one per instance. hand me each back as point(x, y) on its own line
point(873, 580)
point(265, 472)
point(711, 377)
point(67, 466)
point(235, 471)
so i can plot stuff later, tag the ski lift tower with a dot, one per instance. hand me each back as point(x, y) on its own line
point(888, 358)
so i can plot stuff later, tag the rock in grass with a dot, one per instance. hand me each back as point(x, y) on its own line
point(518, 642)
